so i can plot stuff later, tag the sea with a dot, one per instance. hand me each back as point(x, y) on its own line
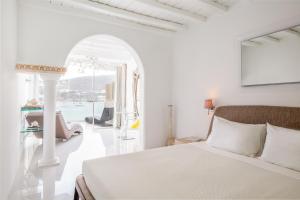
point(78, 111)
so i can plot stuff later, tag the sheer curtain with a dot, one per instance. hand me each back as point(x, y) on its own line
point(136, 77)
point(120, 102)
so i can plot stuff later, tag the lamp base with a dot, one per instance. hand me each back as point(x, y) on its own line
point(170, 141)
point(48, 163)
point(126, 138)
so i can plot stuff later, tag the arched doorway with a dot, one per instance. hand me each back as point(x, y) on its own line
point(105, 75)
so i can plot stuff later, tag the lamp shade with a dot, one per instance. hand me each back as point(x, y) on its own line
point(208, 104)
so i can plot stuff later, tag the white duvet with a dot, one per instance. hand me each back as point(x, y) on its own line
point(189, 171)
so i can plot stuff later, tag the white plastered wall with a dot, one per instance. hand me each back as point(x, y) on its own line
point(207, 63)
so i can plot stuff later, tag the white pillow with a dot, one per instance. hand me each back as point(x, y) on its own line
point(282, 147)
point(245, 139)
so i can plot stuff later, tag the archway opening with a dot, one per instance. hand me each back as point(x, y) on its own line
point(103, 89)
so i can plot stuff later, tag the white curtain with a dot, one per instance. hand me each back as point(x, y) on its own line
point(109, 95)
point(135, 82)
point(120, 95)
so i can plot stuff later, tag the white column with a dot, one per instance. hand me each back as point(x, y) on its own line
point(49, 158)
point(49, 177)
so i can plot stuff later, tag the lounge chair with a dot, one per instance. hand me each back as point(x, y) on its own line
point(62, 130)
point(107, 115)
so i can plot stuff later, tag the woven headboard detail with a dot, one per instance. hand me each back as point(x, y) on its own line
point(288, 117)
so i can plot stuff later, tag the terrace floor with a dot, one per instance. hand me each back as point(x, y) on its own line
point(57, 183)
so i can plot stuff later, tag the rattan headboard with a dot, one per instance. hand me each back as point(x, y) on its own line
point(288, 117)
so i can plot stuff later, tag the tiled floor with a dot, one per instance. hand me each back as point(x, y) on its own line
point(57, 183)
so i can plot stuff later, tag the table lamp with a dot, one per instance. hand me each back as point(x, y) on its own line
point(208, 104)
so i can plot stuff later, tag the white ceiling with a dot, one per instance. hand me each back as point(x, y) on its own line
point(167, 15)
point(182, 12)
point(95, 45)
point(98, 50)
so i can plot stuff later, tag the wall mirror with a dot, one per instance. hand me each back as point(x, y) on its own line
point(272, 58)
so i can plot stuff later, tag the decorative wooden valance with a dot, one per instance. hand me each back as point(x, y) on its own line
point(40, 69)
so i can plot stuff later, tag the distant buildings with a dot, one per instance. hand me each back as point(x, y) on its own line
point(84, 88)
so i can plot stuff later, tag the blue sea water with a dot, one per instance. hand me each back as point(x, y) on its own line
point(77, 111)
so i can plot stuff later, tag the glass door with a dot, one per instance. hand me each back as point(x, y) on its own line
point(103, 92)
point(82, 95)
point(74, 93)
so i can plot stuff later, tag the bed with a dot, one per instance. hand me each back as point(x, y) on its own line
point(195, 171)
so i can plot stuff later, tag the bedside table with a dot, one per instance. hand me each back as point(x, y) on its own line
point(186, 140)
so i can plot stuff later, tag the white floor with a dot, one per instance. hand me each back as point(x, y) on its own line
point(57, 183)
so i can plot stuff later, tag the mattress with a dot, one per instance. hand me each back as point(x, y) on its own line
point(188, 171)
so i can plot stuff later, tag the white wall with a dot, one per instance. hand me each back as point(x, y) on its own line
point(9, 115)
point(1, 92)
point(207, 63)
point(46, 37)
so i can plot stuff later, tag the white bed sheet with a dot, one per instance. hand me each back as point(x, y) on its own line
point(188, 171)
